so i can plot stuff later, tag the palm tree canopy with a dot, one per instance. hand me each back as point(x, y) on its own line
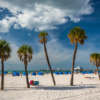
point(95, 58)
point(5, 50)
point(77, 35)
point(43, 35)
point(25, 51)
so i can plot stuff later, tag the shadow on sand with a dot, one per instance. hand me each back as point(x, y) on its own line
point(86, 86)
point(63, 87)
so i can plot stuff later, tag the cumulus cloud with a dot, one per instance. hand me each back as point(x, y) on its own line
point(43, 14)
point(54, 51)
point(0, 37)
point(1, 10)
point(16, 26)
point(29, 34)
point(6, 23)
point(14, 57)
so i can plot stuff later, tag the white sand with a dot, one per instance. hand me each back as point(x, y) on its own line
point(84, 89)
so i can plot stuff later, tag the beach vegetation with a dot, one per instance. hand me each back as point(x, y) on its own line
point(25, 55)
point(5, 53)
point(43, 35)
point(95, 59)
point(76, 35)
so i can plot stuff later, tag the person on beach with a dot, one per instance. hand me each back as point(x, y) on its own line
point(20, 74)
point(12, 74)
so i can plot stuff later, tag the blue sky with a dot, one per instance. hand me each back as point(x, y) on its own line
point(22, 21)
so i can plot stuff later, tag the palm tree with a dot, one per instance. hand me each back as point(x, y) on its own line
point(76, 35)
point(43, 40)
point(5, 53)
point(25, 55)
point(95, 58)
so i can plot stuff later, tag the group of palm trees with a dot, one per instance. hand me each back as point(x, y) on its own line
point(25, 52)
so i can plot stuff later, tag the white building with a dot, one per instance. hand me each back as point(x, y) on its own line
point(78, 68)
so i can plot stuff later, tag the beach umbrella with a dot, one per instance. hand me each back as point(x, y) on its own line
point(92, 72)
point(56, 73)
point(47, 72)
point(83, 72)
point(69, 72)
point(5, 72)
point(40, 73)
point(24, 73)
point(16, 74)
point(60, 72)
point(33, 73)
point(88, 72)
point(66, 72)
point(53, 72)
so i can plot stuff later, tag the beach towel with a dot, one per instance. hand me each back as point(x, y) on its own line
point(36, 82)
point(32, 82)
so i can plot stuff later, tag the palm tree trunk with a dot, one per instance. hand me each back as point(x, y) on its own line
point(98, 72)
point(47, 58)
point(27, 81)
point(73, 63)
point(2, 74)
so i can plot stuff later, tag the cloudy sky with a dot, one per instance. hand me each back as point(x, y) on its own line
point(22, 20)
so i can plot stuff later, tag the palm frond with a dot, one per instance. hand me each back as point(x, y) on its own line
point(77, 35)
point(95, 59)
point(43, 35)
point(25, 53)
point(5, 50)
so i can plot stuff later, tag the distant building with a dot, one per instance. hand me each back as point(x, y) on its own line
point(78, 68)
point(58, 69)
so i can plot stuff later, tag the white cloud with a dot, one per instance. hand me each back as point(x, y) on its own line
point(29, 34)
point(14, 57)
point(43, 14)
point(6, 23)
point(1, 10)
point(0, 37)
point(16, 26)
point(53, 40)
point(56, 51)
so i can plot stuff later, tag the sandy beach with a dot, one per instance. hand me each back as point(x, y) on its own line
point(84, 89)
